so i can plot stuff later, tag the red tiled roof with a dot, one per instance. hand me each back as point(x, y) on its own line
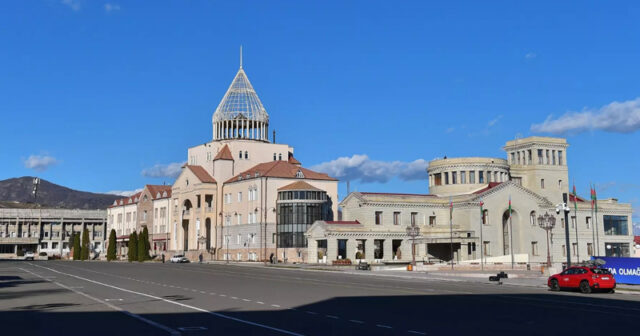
point(201, 174)
point(293, 160)
point(125, 201)
point(580, 199)
point(394, 194)
point(224, 154)
point(490, 186)
point(282, 169)
point(299, 185)
point(155, 189)
point(355, 222)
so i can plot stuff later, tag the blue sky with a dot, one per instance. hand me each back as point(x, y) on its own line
point(94, 93)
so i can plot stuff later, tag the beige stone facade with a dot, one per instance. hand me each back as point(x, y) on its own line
point(452, 225)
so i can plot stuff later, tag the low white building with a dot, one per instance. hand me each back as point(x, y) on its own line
point(513, 193)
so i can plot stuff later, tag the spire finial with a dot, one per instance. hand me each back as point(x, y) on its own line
point(241, 56)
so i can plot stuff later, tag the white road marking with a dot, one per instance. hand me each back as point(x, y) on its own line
point(311, 312)
point(384, 326)
point(417, 332)
point(192, 328)
point(223, 295)
point(332, 317)
point(116, 308)
point(356, 321)
point(203, 292)
point(256, 324)
point(259, 302)
point(233, 297)
point(246, 300)
point(277, 306)
point(113, 299)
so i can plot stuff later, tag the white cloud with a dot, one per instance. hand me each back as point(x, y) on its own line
point(530, 55)
point(40, 162)
point(494, 121)
point(617, 117)
point(73, 4)
point(171, 170)
point(450, 130)
point(124, 193)
point(110, 7)
point(360, 167)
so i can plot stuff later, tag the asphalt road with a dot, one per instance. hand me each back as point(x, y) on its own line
point(99, 298)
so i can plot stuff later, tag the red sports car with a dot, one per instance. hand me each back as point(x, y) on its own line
point(586, 279)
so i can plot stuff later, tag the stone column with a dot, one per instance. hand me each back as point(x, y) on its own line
point(352, 245)
point(368, 249)
point(388, 250)
point(312, 251)
point(332, 249)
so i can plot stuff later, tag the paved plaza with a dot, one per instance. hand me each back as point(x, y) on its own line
point(99, 298)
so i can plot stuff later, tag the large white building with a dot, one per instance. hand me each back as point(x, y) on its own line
point(238, 195)
point(533, 178)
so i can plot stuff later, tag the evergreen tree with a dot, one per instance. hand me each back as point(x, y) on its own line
point(111, 249)
point(85, 245)
point(70, 242)
point(76, 247)
point(143, 245)
point(132, 254)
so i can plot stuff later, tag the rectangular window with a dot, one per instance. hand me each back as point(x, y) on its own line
point(616, 225)
point(472, 176)
point(480, 177)
point(573, 222)
point(564, 251)
point(513, 158)
point(239, 196)
point(463, 177)
point(588, 222)
point(530, 156)
point(446, 178)
point(44, 245)
point(486, 248)
point(518, 157)
point(238, 237)
point(239, 219)
point(378, 219)
point(574, 248)
point(414, 215)
point(454, 178)
point(617, 249)
point(541, 183)
point(560, 184)
point(437, 179)
point(548, 160)
point(485, 217)
point(396, 218)
point(54, 245)
point(432, 220)
point(553, 156)
point(534, 248)
point(590, 249)
point(562, 223)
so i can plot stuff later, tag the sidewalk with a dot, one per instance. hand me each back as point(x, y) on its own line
point(516, 277)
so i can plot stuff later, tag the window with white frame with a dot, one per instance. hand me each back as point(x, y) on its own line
point(239, 219)
point(239, 196)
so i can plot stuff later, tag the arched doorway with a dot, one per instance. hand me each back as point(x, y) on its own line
point(207, 225)
point(186, 208)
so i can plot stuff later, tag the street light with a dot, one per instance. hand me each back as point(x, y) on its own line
point(413, 231)
point(547, 222)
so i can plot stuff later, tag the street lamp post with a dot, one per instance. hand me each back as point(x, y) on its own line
point(413, 231)
point(547, 222)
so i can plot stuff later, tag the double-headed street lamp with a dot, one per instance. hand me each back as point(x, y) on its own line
point(547, 222)
point(413, 231)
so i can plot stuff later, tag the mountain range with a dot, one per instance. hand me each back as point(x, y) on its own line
point(17, 192)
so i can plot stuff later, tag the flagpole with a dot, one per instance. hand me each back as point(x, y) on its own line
point(593, 227)
point(595, 204)
point(451, 229)
point(481, 239)
point(575, 204)
point(511, 234)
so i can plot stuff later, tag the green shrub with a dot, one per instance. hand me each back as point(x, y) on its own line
point(132, 254)
point(85, 245)
point(111, 249)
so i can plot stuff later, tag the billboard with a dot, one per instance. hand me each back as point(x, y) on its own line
point(625, 270)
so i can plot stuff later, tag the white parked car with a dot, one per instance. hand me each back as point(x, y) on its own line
point(29, 256)
point(179, 258)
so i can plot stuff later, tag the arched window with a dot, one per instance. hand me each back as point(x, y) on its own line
point(280, 157)
point(485, 217)
point(274, 156)
point(246, 154)
point(532, 218)
point(240, 155)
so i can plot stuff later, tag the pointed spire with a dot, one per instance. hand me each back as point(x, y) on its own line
point(241, 56)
